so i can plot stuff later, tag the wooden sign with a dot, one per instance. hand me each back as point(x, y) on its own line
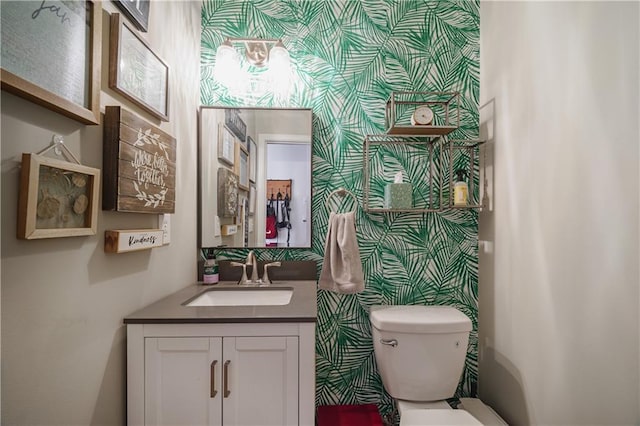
point(229, 229)
point(227, 193)
point(118, 241)
point(139, 162)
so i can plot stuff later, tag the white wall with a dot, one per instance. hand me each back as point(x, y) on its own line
point(63, 299)
point(558, 288)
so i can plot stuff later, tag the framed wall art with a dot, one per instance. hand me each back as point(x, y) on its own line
point(136, 72)
point(35, 67)
point(227, 193)
point(252, 199)
point(137, 11)
point(139, 163)
point(242, 167)
point(234, 122)
point(57, 198)
point(226, 145)
point(253, 159)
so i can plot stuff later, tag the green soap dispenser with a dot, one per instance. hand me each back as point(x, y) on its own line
point(460, 189)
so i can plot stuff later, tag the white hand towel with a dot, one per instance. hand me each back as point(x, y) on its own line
point(342, 267)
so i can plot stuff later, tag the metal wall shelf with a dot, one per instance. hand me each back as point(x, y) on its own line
point(433, 184)
point(401, 105)
point(426, 182)
point(468, 149)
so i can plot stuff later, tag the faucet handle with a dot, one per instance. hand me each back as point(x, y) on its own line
point(244, 271)
point(265, 275)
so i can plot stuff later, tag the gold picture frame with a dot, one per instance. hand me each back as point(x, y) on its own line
point(57, 198)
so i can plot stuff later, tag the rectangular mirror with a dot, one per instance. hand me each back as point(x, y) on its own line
point(255, 177)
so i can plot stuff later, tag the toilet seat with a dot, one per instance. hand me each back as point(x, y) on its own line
point(481, 411)
point(438, 417)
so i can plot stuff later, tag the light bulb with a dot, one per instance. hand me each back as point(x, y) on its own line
point(279, 57)
point(280, 70)
point(227, 66)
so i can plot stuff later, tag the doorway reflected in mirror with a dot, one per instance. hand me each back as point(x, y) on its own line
point(278, 142)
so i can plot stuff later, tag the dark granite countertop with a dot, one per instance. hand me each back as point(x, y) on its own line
point(171, 309)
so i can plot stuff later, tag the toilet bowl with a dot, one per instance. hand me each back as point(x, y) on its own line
point(420, 353)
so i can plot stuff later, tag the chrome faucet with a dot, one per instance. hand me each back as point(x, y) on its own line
point(251, 261)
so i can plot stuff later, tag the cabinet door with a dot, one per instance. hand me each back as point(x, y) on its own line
point(183, 381)
point(261, 375)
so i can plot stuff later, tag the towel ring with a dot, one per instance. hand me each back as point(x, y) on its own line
point(342, 192)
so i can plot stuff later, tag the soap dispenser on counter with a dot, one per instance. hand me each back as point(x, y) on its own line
point(210, 274)
point(460, 189)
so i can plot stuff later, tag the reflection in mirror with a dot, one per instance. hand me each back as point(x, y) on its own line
point(255, 177)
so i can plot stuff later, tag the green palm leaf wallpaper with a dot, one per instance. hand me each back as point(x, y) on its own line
point(347, 57)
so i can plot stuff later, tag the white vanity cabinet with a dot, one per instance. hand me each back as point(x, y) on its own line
point(221, 374)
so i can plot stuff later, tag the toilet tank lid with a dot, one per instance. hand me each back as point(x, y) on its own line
point(419, 319)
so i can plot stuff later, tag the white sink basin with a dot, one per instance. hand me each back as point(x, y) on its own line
point(243, 297)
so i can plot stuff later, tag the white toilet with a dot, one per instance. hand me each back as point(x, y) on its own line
point(420, 353)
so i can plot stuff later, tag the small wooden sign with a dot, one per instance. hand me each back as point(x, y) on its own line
point(229, 229)
point(139, 162)
point(122, 241)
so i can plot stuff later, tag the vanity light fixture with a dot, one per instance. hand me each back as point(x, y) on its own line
point(259, 53)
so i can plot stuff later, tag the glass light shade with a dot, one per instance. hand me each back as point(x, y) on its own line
point(279, 57)
point(280, 71)
point(227, 66)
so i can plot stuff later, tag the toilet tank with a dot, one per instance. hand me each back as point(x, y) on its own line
point(420, 350)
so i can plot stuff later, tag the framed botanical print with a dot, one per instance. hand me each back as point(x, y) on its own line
point(137, 72)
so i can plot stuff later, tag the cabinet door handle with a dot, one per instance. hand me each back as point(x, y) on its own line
point(225, 379)
point(214, 392)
